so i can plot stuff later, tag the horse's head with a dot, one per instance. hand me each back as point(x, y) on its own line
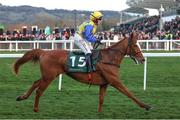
point(133, 49)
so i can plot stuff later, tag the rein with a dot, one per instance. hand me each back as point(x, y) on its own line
point(95, 46)
point(122, 52)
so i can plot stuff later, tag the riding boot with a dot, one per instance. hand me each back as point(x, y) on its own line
point(93, 67)
point(88, 62)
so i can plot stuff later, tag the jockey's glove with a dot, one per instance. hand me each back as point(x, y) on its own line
point(99, 41)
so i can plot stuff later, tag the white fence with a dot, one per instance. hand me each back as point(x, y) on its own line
point(146, 55)
point(147, 45)
point(167, 45)
point(20, 55)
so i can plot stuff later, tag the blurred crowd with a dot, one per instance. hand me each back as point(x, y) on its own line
point(29, 35)
point(147, 28)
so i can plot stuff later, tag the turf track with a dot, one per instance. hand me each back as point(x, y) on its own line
point(77, 100)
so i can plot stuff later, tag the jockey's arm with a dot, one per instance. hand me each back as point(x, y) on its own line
point(88, 34)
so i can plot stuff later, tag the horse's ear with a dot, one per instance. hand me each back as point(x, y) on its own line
point(134, 37)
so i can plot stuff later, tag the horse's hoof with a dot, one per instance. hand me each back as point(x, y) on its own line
point(36, 110)
point(18, 98)
point(99, 110)
point(147, 107)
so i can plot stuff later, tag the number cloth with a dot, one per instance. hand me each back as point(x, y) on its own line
point(76, 61)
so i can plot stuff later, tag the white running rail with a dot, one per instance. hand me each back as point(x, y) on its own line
point(147, 45)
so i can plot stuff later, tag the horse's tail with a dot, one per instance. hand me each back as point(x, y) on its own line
point(30, 55)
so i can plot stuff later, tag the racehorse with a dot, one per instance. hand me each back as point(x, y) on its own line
point(52, 63)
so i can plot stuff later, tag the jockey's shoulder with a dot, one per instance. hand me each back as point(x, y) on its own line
point(88, 23)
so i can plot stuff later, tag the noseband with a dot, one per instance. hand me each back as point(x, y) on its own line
point(126, 52)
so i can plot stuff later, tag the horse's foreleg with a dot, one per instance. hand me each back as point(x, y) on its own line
point(28, 93)
point(126, 92)
point(43, 85)
point(101, 96)
point(112, 78)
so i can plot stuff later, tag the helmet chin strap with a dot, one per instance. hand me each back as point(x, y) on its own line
point(95, 21)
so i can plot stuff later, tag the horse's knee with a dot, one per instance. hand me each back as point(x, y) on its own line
point(101, 101)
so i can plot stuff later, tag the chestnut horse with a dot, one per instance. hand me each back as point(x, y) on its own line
point(52, 63)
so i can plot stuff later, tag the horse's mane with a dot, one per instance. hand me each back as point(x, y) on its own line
point(119, 42)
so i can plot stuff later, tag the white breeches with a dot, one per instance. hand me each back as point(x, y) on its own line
point(83, 44)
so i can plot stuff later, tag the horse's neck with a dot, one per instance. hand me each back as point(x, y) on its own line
point(120, 46)
point(116, 52)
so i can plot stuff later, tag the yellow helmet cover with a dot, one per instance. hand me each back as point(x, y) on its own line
point(96, 15)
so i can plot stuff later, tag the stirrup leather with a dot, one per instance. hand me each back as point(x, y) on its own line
point(89, 63)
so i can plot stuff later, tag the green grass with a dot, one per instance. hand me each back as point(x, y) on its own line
point(77, 100)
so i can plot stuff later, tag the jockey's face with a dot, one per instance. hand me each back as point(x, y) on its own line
point(99, 21)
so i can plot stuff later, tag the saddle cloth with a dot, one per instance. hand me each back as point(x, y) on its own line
point(77, 62)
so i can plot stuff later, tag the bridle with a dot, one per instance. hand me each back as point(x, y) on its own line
point(130, 52)
point(129, 47)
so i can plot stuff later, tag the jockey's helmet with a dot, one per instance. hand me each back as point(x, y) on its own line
point(96, 15)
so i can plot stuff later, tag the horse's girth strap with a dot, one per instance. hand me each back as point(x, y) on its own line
point(111, 64)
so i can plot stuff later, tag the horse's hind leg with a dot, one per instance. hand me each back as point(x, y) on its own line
point(43, 85)
point(101, 96)
point(28, 93)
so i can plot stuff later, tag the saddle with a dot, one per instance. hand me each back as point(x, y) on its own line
point(77, 62)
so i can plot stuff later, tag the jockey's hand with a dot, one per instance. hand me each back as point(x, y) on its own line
point(99, 41)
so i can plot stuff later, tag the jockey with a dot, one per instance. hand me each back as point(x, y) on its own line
point(85, 36)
